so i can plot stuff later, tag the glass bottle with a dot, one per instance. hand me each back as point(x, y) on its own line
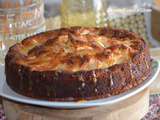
point(84, 13)
point(18, 20)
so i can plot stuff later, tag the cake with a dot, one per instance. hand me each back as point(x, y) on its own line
point(77, 63)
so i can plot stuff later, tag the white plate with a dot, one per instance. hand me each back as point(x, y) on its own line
point(6, 92)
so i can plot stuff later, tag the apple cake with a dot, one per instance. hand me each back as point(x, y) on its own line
point(77, 63)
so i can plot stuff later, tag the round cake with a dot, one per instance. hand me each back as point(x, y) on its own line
point(74, 64)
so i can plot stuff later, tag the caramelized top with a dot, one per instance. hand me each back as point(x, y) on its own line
point(76, 49)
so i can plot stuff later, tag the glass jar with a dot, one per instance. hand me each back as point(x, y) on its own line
point(18, 21)
point(84, 13)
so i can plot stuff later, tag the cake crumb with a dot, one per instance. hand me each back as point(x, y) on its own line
point(83, 84)
point(96, 90)
point(19, 70)
point(81, 78)
point(111, 80)
point(94, 77)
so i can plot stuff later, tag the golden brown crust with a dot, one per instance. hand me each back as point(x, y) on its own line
point(76, 49)
point(77, 63)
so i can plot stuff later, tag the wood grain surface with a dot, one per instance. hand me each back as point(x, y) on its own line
point(133, 108)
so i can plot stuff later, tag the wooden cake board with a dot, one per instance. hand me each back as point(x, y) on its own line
point(133, 108)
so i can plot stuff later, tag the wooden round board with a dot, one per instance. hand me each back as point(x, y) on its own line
point(133, 108)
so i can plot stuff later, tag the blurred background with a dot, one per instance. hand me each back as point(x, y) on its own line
point(54, 5)
point(140, 16)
